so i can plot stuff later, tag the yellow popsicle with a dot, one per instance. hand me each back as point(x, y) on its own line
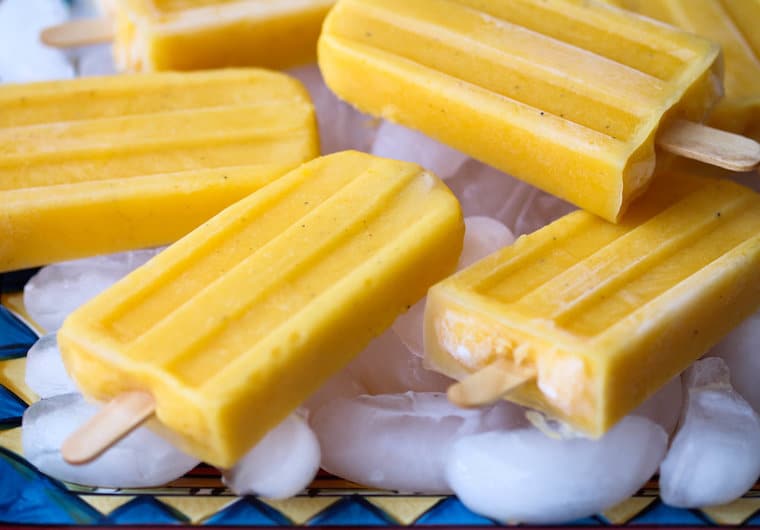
point(156, 35)
point(734, 24)
point(232, 327)
point(98, 165)
point(605, 314)
point(565, 94)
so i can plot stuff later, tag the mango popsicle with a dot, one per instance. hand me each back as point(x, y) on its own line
point(98, 165)
point(733, 24)
point(155, 35)
point(232, 327)
point(605, 314)
point(565, 94)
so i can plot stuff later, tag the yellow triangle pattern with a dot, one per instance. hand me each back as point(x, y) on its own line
point(734, 513)
point(197, 508)
point(628, 509)
point(405, 510)
point(105, 504)
point(301, 509)
point(11, 439)
point(12, 374)
point(15, 302)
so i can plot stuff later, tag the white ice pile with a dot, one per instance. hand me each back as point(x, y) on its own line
point(142, 459)
point(741, 351)
point(399, 441)
point(91, 60)
point(386, 367)
point(281, 465)
point(715, 456)
point(401, 143)
point(483, 190)
point(525, 476)
point(23, 57)
point(341, 127)
point(46, 374)
point(483, 236)
point(95, 60)
point(664, 407)
point(56, 290)
point(400, 423)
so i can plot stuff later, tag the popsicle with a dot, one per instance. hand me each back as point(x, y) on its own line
point(568, 95)
point(99, 165)
point(585, 319)
point(154, 35)
point(232, 327)
point(733, 24)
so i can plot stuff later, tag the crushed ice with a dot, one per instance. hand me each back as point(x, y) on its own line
point(23, 58)
point(142, 459)
point(398, 142)
point(715, 455)
point(741, 351)
point(281, 465)
point(46, 374)
point(400, 441)
point(483, 236)
point(525, 476)
point(58, 289)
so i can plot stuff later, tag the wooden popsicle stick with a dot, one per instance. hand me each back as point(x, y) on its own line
point(80, 32)
point(489, 384)
point(711, 146)
point(113, 422)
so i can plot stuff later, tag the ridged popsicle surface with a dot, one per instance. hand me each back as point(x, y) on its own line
point(235, 325)
point(565, 94)
point(607, 313)
point(733, 24)
point(98, 165)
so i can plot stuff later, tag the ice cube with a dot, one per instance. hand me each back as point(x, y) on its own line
point(715, 455)
point(142, 459)
point(400, 441)
point(95, 60)
point(341, 127)
point(408, 327)
point(281, 465)
point(85, 9)
point(483, 236)
point(664, 407)
point(525, 476)
point(45, 373)
point(23, 57)
point(485, 191)
point(741, 351)
point(386, 366)
point(344, 384)
point(400, 143)
point(57, 290)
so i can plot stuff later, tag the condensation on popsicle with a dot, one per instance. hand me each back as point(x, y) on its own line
point(565, 94)
point(99, 165)
point(605, 314)
point(231, 328)
point(734, 24)
point(156, 35)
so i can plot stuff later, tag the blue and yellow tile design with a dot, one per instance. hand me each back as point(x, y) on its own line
point(27, 497)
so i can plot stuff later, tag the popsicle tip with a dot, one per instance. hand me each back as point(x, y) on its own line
point(82, 32)
point(113, 422)
point(489, 384)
